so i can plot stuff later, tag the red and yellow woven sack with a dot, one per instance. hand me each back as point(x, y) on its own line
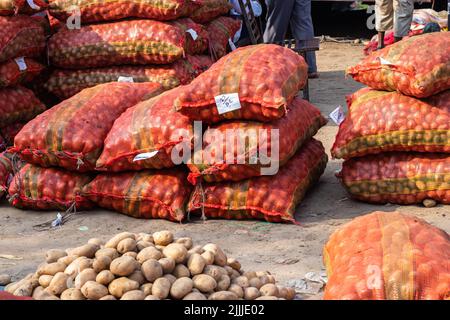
point(380, 121)
point(11, 7)
point(418, 66)
point(398, 177)
point(196, 35)
point(5, 173)
point(388, 256)
point(220, 30)
point(11, 74)
point(145, 194)
point(71, 134)
point(270, 198)
point(265, 77)
point(210, 9)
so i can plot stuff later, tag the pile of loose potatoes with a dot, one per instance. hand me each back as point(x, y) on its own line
point(146, 267)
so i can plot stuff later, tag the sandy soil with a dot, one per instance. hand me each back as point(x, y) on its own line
point(288, 251)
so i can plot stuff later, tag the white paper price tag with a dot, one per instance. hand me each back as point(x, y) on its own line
point(145, 156)
point(227, 102)
point(21, 63)
point(193, 33)
point(385, 62)
point(232, 45)
point(33, 5)
point(125, 79)
point(338, 115)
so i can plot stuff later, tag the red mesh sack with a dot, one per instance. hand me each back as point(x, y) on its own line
point(100, 10)
point(145, 136)
point(14, 72)
point(18, 104)
point(71, 134)
point(124, 42)
point(418, 66)
point(21, 36)
point(210, 9)
point(10, 7)
point(380, 121)
point(196, 35)
point(300, 124)
point(270, 198)
point(5, 173)
point(387, 256)
point(441, 100)
point(265, 77)
point(65, 83)
point(398, 177)
point(220, 30)
point(39, 188)
point(10, 131)
point(145, 194)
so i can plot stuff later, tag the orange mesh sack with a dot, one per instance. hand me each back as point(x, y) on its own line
point(249, 139)
point(145, 194)
point(10, 7)
point(18, 104)
point(71, 134)
point(398, 177)
point(144, 137)
point(262, 79)
point(5, 173)
point(210, 9)
point(39, 188)
point(418, 66)
point(124, 42)
point(270, 198)
point(18, 71)
point(387, 256)
point(380, 121)
point(100, 10)
point(220, 30)
point(196, 35)
point(21, 36)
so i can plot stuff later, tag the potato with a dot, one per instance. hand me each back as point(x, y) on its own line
point(146, 237)
point(123, 266)
point(161, 288)
point(233, 263)
point(223, 295)
point(186, 242)
point(249, 274)
point(215, 271)
point(208, 256)
point(72, 294)
point(255, 282)
point(131, 254)
point(151, 297)
point(282, 292)
point(88, 250)
point(96, 241)
point(167, 264)
point(262, 273)
point(290, 293)
point(5, 279)
point(148, 253)
point(110, 252)
point(271, 278)
point(229, 270)
point(93, 290)
point(126, 245)
point(163, 238)
point(67, 259)
point(159, 247)
point(181, 287)
point(152, 270)
point(195, 296)
point(120, 286)
point(241, 281)
point(269, 290)
point(235, 274)
point(224, 283)
point(264, 279)
point(105, 277)
point(114, 241)
point(25, 289)
point(78, 265)
point(146, 288)
point(196, 264)
point(53, 255)
point(237, 290)
point(101, 263)
point(58, 284)
point(108, 297)
point(176, 251)
point(251, 293)
point(51, 268)
point(267, 298)
point(181, 271)
point(204, 283)
point(44, 280)
point(195, 249)
point(40, 294)
point(85, 276)
point(36, 292)
point(220, 258)
point(138, 276)
point(143, 244)
point(170, 277)
point(133, 295)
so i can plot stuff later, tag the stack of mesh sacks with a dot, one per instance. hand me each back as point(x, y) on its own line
point(160, 41)
point(396, 136)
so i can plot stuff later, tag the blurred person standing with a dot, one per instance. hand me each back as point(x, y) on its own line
point(297, 13)
point(242, 37)
point(396, 14)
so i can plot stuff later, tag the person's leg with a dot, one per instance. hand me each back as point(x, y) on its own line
point(403, 14)
point(278, 15)
point(303, 29)
point(384, 19)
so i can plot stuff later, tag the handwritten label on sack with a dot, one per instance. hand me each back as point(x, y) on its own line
point(125, 79)
point(145, 156)
point(21, 63)
point(338, 115)
point(227, 102)
point(232, 45)
point(33, 5)
point(193, 33)
point(385, 62)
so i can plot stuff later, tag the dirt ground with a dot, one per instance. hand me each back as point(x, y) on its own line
point(288, 251)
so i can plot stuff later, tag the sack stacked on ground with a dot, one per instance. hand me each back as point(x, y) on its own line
point(11, 7)
point(5, 173)
point(210, 9)
point(220, 32)
point(388, 256)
